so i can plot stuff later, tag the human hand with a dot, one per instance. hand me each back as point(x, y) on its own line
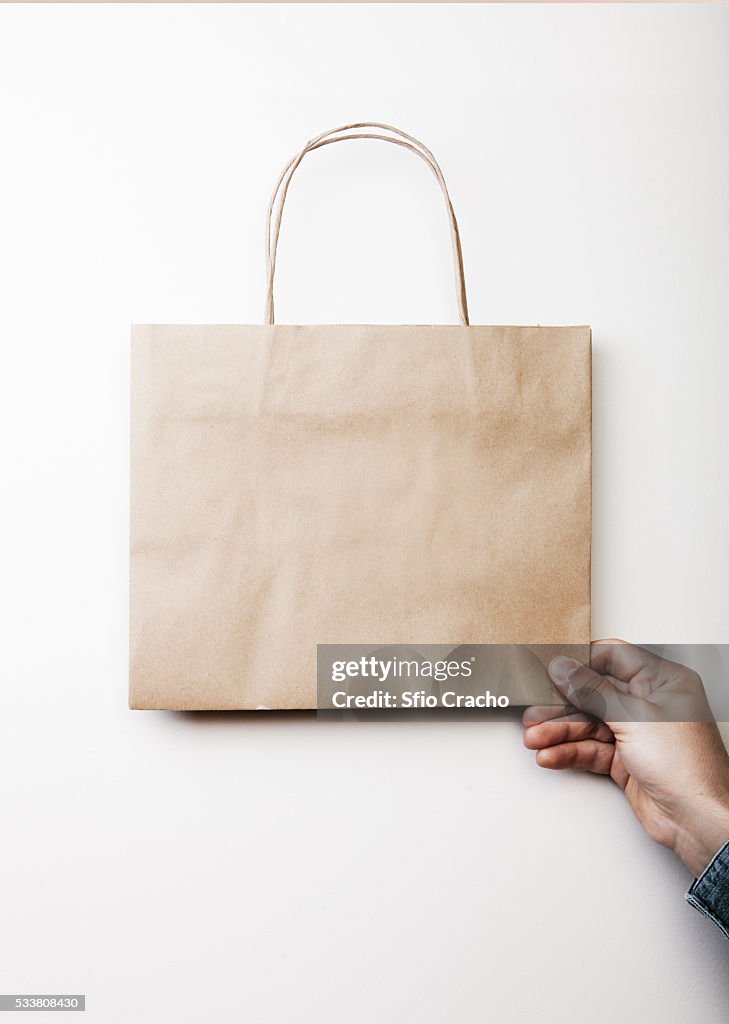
point(675, 774)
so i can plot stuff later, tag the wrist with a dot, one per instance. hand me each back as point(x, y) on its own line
point(702, 834)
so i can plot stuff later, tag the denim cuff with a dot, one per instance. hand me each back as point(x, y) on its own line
point(710, 892)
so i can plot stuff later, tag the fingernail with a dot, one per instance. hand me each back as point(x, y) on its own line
point(563, 668)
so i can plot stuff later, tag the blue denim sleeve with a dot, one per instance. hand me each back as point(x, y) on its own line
point(710, 893)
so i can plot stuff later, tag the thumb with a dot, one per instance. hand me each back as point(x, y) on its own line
point(588, 690)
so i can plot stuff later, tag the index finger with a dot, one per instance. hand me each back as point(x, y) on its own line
point(537, 714)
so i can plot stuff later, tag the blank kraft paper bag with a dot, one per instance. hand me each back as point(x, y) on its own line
point(294, 486)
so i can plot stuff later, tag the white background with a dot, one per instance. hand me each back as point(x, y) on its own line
point(231, 868)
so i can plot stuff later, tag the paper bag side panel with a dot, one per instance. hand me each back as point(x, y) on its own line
point(294, 486)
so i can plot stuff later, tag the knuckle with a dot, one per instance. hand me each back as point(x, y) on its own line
point(693, 679)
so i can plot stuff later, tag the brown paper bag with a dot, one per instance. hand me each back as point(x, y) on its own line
point(294, 486)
